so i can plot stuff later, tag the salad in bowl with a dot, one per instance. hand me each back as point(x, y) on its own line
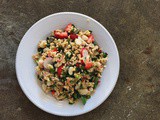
point(70, 64)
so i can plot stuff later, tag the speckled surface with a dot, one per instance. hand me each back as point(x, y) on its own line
point(135, 27)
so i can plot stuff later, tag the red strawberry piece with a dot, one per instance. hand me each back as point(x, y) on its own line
point(88, 65)
point(73, 36)
point(54, 50)
point(84, 55)
point(84, 52)
point(59, 70)
point(61, 35)
point(90, 38)
point(53, 92)
point(68, 27)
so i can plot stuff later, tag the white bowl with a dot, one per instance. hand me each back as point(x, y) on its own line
point(25, 66)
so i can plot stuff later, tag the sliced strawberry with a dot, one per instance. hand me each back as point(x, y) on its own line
point(88, 65)
point(55, 50)
point(60, 35)
point(59, 70)
point(84, 52)
point(73, 36)
point(84, 55)
point(90, 38)
point(53, 92)
point(68, 27)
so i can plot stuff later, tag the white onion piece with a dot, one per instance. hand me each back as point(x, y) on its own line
point(47, 61)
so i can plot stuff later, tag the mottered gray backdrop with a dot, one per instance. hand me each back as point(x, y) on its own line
point(135, 27)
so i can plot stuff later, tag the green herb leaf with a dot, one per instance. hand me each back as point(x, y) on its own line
point(73, 25)
point(94, 59)
point(40, 50)
point(77, 76)
point(86, 72)
point(71, 81)
point(71, 103)
point(105, 55)
point(68, 40)
point(75, 95)
point(78, 69)
point(82, 68)
point(67, 57)
point(94, 43)
point(60, 48)
point(72, 31)
point(39, 78)
point(36, 61)
point(63, 79)
point(88, 96)
point(52, 71)
point(90, 31)
point(53, 86)
point(45, 82)
point(50, 39)
point(64, 75)
point(95, 82)
point(84, 100)
point(48, 45)
point(98, 56)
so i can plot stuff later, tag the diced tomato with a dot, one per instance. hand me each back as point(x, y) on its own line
point(53, 92)
point(90, 38)
point(59, 70)
point(60, 35)
point(73, 36)
point(99, 81)
point(88, 65)
point(68, 27)
point(54, 50)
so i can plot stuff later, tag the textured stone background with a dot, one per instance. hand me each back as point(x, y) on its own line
point(135, 27)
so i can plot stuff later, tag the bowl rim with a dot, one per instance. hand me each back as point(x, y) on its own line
point(62, 13)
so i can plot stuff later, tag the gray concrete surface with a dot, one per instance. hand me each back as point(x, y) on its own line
point(135, 26)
